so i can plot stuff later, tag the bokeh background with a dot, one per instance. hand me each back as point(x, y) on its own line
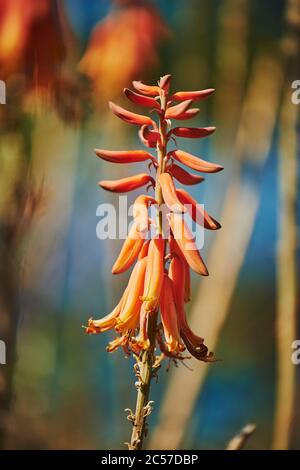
point(61, 61)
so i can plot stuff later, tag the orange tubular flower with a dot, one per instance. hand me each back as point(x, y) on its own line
point(140, 211)
point(183, 176)
point(186, 243)
point(154, 287)
point(125, 185)
point(128, 116)
point(127, 156)
point(192, 95)
point(169, 193)
point(193, 132)
point(174, 111)
point(197, 213)
point(144, 250)
point(188, 114)
point(130, 250)
point(109, 321)
point(154, 274)
point(195, 163)
point(175, 251)
point(169, 317)
point(149, 138)
point(141, 99)
point(130, 310)
point(146, 89)
point(193, 342)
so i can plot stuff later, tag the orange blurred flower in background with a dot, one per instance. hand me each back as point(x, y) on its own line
point(33, 37)
point(122, 46)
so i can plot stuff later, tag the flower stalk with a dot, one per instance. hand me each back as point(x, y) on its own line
point(145, 367)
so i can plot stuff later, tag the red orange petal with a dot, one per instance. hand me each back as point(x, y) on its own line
point(164, 83)
point(186, 244)
point(174, 111)
point(148, 137)
point(198, 214)
point(127, 184)
point(146, 89)
point(154, 274)
point(141, 99)
point(194, 162)
point(175, 252)
point(130, 310)
point(169, 316)
point(169, 193)
point(188, 114)
point(192, 95)
point(124, 156)
point(193, 132)
point(183, 176)
point(140, 211)
point(129, 251)
point(128, 116)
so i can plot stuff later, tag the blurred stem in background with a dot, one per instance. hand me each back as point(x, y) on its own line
point(231, 54)
point(238, 442)
point(287, 242)
point(214, 296)
point(22, 203)
point(61, 322)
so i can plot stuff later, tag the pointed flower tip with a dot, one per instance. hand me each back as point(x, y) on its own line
point(164, 82)
point(141, 100)
point(219, 168)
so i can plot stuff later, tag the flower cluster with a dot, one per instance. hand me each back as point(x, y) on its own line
point(160, 279)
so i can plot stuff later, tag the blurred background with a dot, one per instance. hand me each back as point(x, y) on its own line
point(61, 61)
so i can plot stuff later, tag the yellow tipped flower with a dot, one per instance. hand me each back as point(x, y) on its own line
point(109, 321)
point(129, 315)
point(142, 340)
